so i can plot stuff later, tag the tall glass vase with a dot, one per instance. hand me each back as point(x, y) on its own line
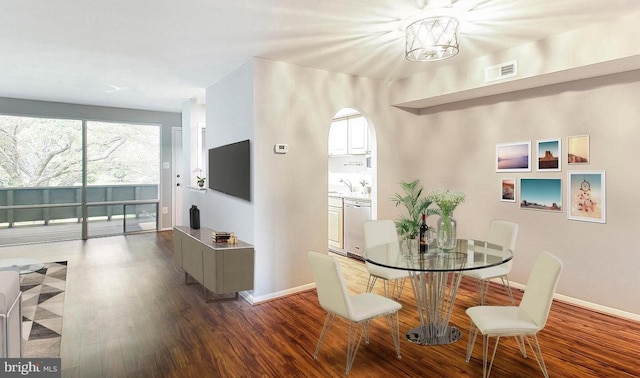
point(446, 237)
point(409, 246)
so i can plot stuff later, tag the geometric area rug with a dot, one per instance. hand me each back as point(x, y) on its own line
point(42, 308)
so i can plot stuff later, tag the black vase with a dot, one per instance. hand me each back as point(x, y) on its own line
point(194, 217)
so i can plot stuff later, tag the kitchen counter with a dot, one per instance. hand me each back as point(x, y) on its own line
point(348, 195)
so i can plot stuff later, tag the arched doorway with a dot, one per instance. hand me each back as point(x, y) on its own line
point(352, 180)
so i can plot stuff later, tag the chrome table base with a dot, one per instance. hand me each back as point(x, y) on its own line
point(435, 293)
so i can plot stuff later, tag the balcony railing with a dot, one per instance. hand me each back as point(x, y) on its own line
point(46, 204)
point(118, 208)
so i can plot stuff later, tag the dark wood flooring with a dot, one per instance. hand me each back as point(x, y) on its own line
point(128, 314)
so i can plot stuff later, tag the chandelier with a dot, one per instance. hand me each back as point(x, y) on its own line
point(431, 39)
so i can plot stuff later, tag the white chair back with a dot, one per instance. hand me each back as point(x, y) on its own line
point(379, 231)
point(504, 233)
point(332, 290)
point(542, 283)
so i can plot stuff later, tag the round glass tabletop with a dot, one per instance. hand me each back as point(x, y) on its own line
point(21, 265)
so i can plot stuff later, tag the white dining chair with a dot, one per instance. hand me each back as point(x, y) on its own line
point(378, 232)
point(503, 233)
point(523, 321)
point(358, 309)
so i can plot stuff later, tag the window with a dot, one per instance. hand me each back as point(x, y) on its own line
point(42, 173)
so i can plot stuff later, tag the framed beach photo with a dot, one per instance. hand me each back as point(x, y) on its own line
point(541, 194)
point(508, 190)
point(578, 149)
point(513, 157)
point(549, 153)
point(586, 196)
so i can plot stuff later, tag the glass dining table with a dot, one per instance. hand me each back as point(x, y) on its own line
point(435, 277)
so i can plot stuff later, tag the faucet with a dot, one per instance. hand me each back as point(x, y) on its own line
point(348, 184)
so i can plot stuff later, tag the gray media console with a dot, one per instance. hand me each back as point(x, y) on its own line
point(221, 268)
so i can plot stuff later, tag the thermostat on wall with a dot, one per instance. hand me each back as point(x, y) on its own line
point(281, 148)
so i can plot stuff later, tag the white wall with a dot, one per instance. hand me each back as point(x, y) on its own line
point(601, 263)
point(296, 106)
point(271, 102)
point(597, 50)
point(192, 114)
point(229, 118)
point(448, 146)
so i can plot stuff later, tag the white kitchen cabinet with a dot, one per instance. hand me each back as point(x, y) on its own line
point(358, 142)
point(336, 223)
point(338, 136)
point(349, 136)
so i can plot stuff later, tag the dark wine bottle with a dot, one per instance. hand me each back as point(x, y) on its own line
point(423, 234)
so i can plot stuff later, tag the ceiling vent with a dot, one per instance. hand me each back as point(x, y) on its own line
point(501, 71)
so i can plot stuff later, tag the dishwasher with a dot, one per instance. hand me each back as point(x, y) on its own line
point(356, 212)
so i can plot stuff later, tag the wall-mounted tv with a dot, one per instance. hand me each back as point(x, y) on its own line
point(230, 169)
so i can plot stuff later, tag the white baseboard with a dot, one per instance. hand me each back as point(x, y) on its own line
point(249, 297)
point(588, 305)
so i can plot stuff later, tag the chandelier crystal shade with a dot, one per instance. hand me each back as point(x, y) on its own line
point(431, 39)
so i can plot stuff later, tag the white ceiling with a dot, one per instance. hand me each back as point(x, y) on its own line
point(155, 54)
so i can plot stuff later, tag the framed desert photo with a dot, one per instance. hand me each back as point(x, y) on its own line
point(586, 196)
point(508, 190)
point(541, 194)
point(578, 149)
point(513, 157)
point(549, 152)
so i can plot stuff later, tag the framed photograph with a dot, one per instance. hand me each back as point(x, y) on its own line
point(578, 149)
point(508, 190)
point(541, 194)
point(586, 196)
point(513, 157)
point(549, 155)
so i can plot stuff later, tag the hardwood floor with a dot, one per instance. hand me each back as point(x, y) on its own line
point(128, 313)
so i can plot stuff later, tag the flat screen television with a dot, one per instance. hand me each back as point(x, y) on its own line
point(230, 169)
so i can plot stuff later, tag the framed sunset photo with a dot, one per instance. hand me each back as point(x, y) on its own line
point(513, 157)
point(578, 149)
point(508, 190)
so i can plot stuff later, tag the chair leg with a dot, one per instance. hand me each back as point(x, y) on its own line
point(473, 333)
point(538, 353)
point(386, 287)
point(399, 285)
point(355, 337)
point(485, 352)
point(483, 287)
point(391, 289)
point(507, 286)
point(371, 283)
point(521, 345)
point(328, 321)
point(365, 331)
point(394, 325)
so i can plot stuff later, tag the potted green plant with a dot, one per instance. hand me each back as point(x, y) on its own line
point(200, 181)
point(408, 225)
